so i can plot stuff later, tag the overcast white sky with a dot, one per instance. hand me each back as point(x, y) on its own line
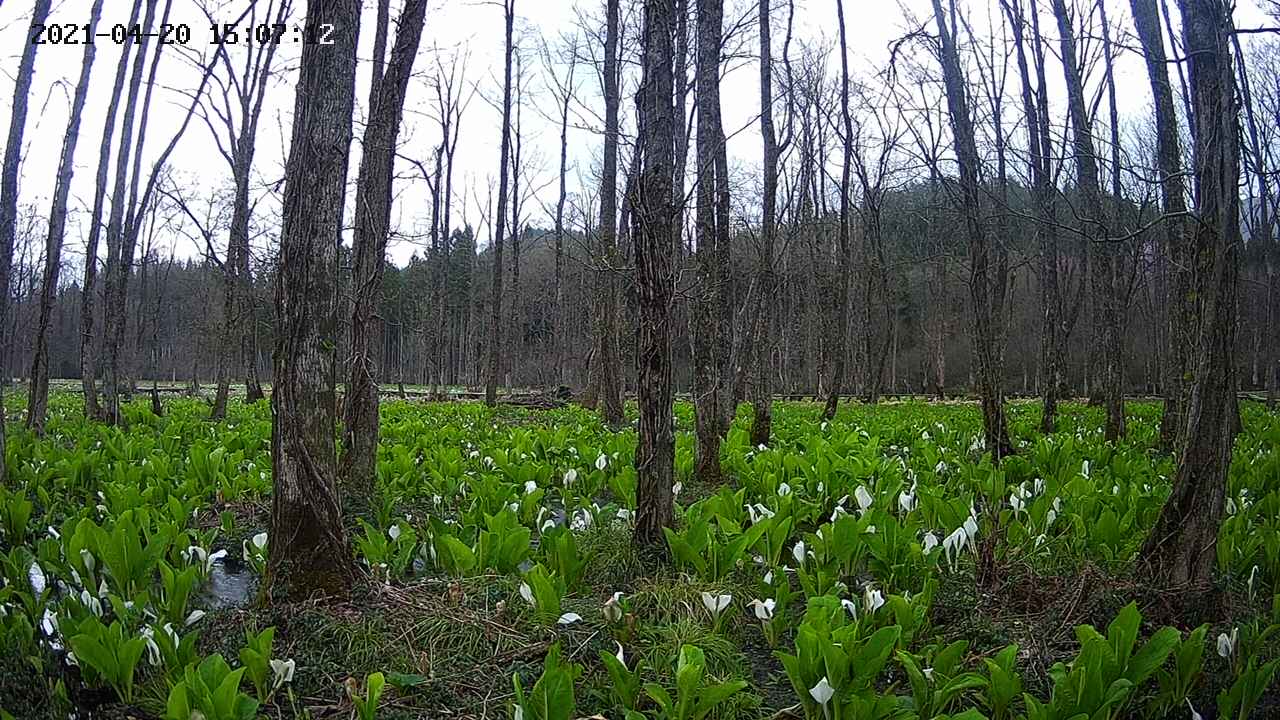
point(473, 26)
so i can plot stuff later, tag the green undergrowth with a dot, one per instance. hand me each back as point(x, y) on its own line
point(903, 572)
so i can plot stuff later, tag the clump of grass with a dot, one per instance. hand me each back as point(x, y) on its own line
point(613, 564)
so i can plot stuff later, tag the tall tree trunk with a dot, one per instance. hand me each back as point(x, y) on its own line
point(1104, 252)
point(515, 337)
point(653, 213)
point(88, 293)
point(1262, 231)
point(38, 397)
point(560, 322)
point(9, 196)
point(1042, 190)
point(500, 219)
point(762, 391)
point(1180, 313)
point(985, 351)
point(1116, 291)
point(707, 316)
point(258, 70)
point(120, 220)
point(309, 551)
point(605, 381)
point(358, 464)
point(1181, 547)
point(846, 249)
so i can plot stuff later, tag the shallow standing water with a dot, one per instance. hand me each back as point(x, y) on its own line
point(231, 584)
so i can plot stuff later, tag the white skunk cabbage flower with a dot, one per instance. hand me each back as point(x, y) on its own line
point(798, 552)
point(91, 602)
point(602, 462)
point(283, 671)
point(863, 498)
point(612, 610)
point(715, 604)
point(1227, 643)
point(763, 608)
point(569, 618)
point(526, 592)
point(822, 692)
point(148, 634)
point(907, 502)
point(851, 606)
point(872, 600)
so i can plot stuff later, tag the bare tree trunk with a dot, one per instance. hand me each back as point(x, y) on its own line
point(985, 349)
point(1181, 547)
point(680, 89)
point(9, 196)
point(605, 383)
point(515, 338)
point(38, 398)
point(1115, 291)
point(707, 313)
point(1105, 287)
point(88, 356)
point(560, 337)
point(500, 219)
point(1181, 308)
point(259, 69)
point(846, 249)
point(653, 213)
point(358, 464)
point(1038, 140)
point(309, 551)
point(762, 390)
point(1262, 230)
point(117, 225)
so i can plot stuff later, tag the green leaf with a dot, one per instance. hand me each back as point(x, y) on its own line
point(91, 652)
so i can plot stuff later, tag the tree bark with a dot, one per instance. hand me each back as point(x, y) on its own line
point(1038, 142)
point(309, 551)
point(516, 333)
point(846, 249)
point(605, 381)
point(1180, 550)
point(1104, 254)
point(652, 218)
point(495, 299)
point(9, 195)
point(1180, 309)
point(358, 464)
point(38, 397)
point(560, 336)
point(117, 270)
point(710, 383)
point(761, 387)
point(88, 292)
point(240, 345)
point(985, 351)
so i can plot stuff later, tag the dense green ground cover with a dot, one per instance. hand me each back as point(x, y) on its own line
point(874, 566)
